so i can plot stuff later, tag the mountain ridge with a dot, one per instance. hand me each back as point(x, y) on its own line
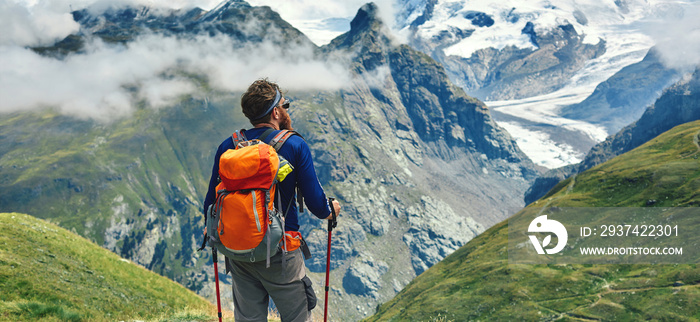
point(401, 163)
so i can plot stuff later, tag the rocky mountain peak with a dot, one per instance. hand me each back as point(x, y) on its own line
point(367, 17)
point(367, 30)
point(437, 111)
point(220, 10)
point(236, 19)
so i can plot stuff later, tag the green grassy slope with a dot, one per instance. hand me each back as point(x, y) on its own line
point(47, 272)
point(133, 186)
point(478, 283)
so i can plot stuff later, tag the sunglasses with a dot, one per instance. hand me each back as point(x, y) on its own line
point(286, 104)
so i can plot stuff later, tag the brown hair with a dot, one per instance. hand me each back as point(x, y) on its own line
point(257, 99)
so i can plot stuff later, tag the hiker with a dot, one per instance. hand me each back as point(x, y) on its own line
point(286, 283)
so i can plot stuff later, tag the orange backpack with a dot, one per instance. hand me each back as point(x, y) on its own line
point(247, 225)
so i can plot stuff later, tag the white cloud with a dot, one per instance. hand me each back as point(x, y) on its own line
point(295, 68)
point(163, 92)
point(99, 83)
point(33, 26)
point(377, 78)
point(676, 32)
point(106, 81)
point(43, 22)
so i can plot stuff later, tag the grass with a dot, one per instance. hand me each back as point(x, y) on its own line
point(38, 311)
point(477, 282)
point(50, 274)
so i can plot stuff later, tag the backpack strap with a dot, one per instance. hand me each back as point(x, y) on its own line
point(264, 135)
point(238, 137)
point(277, 142)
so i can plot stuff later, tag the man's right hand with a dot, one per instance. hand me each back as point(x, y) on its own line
point(336, 208)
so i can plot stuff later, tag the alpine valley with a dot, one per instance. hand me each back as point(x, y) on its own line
point(420, 167)
point(478, 281)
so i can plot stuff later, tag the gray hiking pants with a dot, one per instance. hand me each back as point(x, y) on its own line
point(291, 291)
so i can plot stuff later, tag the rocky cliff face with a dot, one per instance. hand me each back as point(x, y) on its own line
point(420, 167)
point(437, 109)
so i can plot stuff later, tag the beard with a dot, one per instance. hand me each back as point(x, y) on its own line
point(286, 123)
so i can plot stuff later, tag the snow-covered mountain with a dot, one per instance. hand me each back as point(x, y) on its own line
point(527, 59)
point(499, 24)
point(513, 55)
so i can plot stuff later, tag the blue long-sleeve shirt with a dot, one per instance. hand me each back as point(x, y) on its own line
point(297, 152)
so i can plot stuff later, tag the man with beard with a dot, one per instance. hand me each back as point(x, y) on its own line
point(287, 284)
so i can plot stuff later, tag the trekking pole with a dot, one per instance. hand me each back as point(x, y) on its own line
point(216, 277)
point(331, 224)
